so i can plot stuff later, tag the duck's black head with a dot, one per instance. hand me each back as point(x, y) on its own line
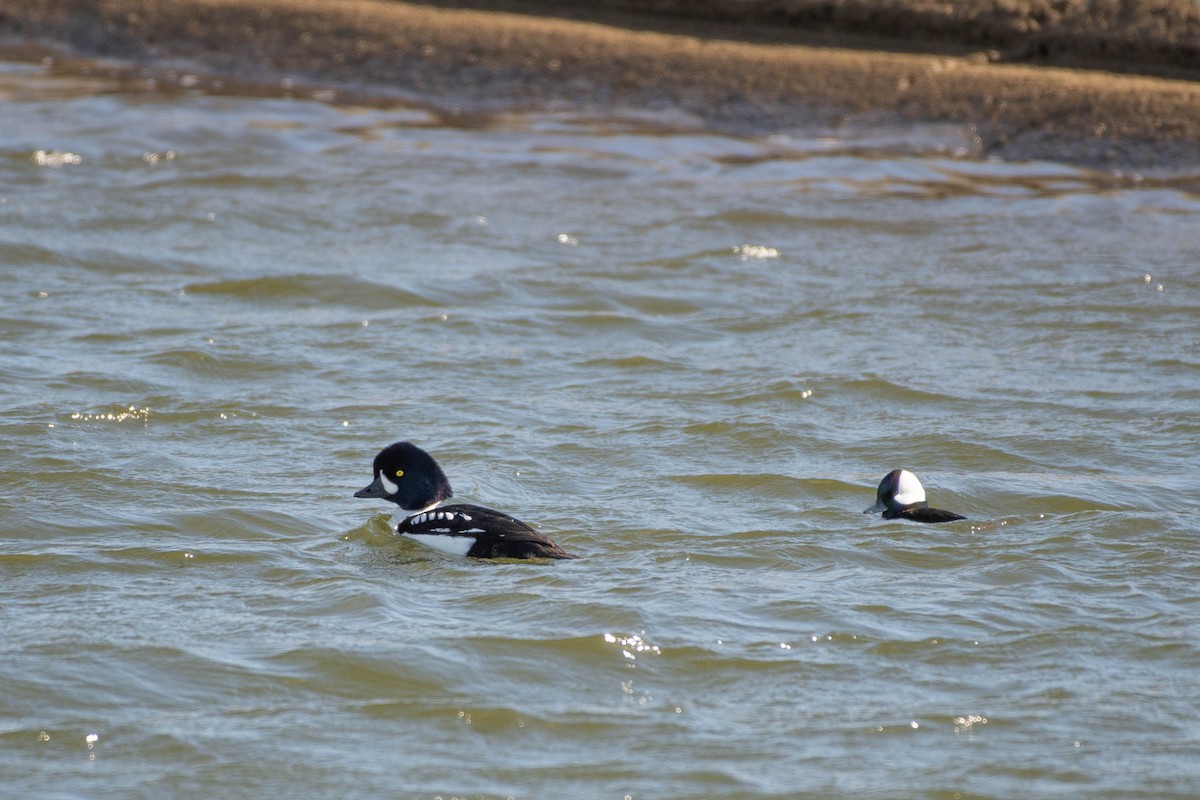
point(407, 476)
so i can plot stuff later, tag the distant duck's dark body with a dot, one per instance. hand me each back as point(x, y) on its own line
point(409, 477)
point(901, 496)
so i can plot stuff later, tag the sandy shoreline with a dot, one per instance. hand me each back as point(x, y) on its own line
point(753, 78)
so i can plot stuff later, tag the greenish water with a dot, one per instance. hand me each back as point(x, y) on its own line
point(688, 358)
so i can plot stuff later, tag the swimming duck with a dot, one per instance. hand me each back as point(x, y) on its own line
point(901, 496)
point(409, 477)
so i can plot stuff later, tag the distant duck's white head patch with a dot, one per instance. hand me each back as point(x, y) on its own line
point(908, 489)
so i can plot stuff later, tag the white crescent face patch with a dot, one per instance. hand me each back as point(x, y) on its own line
point(388, 486)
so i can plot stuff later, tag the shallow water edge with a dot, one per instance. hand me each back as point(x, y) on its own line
point(467, 61)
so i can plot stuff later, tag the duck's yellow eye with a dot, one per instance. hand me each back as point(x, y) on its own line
point(399, 473)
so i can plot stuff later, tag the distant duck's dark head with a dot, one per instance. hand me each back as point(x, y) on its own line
point(898, 490)
point(407, 476)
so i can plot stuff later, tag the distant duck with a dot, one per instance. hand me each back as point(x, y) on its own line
point(409, 477)
point(901, 496)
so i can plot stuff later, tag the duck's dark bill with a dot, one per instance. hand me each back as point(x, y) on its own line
point(375, 489)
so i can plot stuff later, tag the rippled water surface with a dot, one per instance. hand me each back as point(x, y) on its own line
point(688, 358)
